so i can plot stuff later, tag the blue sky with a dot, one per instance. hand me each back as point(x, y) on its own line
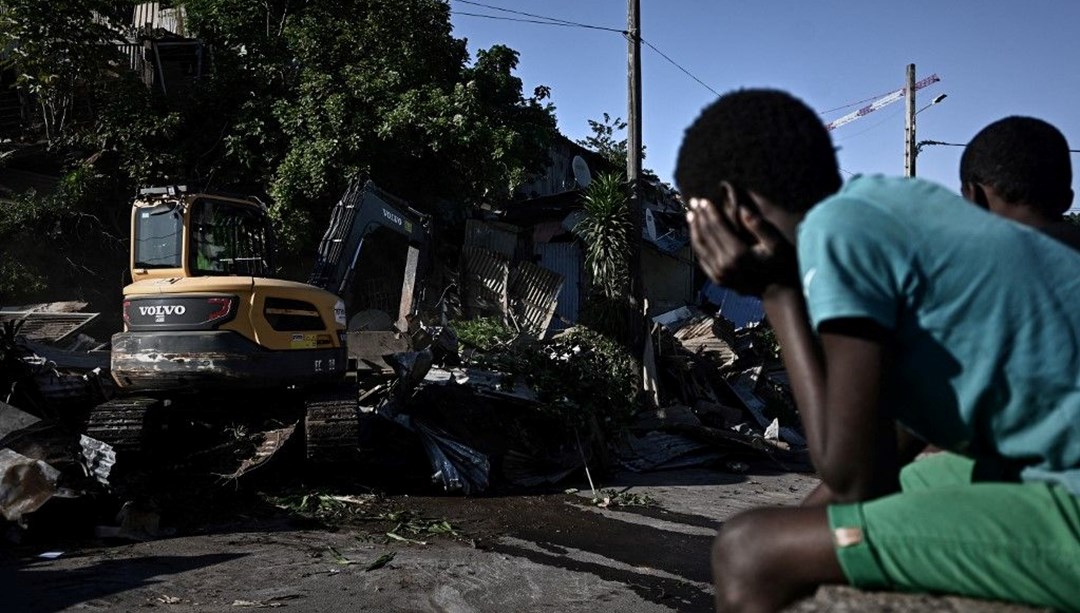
point(994, 59)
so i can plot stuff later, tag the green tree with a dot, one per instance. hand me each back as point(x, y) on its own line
point(605, 140)
point(301, 98)
point(376, 89)
point(56, 50)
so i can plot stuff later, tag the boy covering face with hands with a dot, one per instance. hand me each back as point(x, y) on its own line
point(896, 304)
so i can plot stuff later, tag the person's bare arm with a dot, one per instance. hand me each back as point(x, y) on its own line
point(836, 384)
point(851, 441)
point(908, 447)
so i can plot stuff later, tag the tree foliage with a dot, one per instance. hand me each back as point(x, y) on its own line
point(58, 51)
point(301, 97)
point(48, 244)
point(605, 140)
point(371, 88)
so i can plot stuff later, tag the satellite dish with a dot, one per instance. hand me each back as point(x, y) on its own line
point(650, 224)
point(581, 171)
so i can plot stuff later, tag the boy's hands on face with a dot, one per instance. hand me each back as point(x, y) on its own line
point(738, 248)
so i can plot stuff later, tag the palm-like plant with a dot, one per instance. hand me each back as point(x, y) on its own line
point(606, 230)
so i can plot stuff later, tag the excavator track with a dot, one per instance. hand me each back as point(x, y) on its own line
point(332, 426)
point(121, 423)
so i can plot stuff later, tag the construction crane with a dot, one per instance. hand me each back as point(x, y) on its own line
point(881, 102)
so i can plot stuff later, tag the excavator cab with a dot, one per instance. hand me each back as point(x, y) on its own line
point(220, 235)
point(202, 311)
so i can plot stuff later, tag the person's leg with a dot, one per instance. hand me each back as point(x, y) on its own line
point(767, 558)
point(1017, 542)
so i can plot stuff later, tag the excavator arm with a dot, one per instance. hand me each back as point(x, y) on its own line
point(363, 209)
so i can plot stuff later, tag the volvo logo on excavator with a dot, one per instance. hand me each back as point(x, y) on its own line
point(392, 217)
point(160, 311)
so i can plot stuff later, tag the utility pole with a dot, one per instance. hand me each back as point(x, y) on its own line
point(909, 123)
point(633, 149)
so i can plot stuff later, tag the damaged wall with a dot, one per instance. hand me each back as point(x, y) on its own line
point(668, 279)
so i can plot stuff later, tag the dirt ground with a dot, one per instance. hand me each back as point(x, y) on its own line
point(554, 551)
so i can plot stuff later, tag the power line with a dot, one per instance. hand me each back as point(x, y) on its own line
point(676, 64)
point(519, 20)
point(943, 144)
point(547, 20)
point(553, 21)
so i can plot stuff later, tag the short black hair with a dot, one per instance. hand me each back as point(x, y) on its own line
point(1026, 161)
point(763, 140)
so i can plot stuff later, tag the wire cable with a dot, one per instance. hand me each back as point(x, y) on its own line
point(552, 21)
point(519, 20)
point(547, 20)
point(677, 65)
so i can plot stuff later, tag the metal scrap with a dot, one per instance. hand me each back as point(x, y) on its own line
point(97, 458)
point(659, 451)
point(25, 484)
point(47, 326)
point(457, 466)
point(13, 420)
point(534, 294)
point(270, 443)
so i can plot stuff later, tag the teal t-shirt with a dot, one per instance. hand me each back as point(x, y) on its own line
point(985, 314)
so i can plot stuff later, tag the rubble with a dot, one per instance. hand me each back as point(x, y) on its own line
point(489, 405)
point(25, 484)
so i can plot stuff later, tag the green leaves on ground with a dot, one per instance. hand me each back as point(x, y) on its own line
point(626, 498)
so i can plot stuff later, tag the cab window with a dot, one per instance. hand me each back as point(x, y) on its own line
point(228, 239)
point(159, 232)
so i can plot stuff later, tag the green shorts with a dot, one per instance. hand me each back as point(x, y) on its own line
point(1017, 542)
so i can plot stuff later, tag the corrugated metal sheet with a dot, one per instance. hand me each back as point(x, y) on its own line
point(485, 277)
point(703, 336)
point(499, 238)
point(557, 177)
point(134, 53)
point(734, 307)
point(565, 259)
point(47, 326)
point(151, 14)
point(534, 294)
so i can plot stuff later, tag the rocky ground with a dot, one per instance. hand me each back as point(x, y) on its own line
point(347, 549)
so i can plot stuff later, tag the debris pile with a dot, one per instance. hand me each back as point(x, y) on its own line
point(473, 405)
point(721, 395)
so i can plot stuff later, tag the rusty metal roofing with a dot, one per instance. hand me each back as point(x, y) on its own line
point(534, 294)
point(485, 277)
point(50, 327)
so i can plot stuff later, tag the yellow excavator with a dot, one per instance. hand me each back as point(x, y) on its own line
point(203, 315)
point(202, 312)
